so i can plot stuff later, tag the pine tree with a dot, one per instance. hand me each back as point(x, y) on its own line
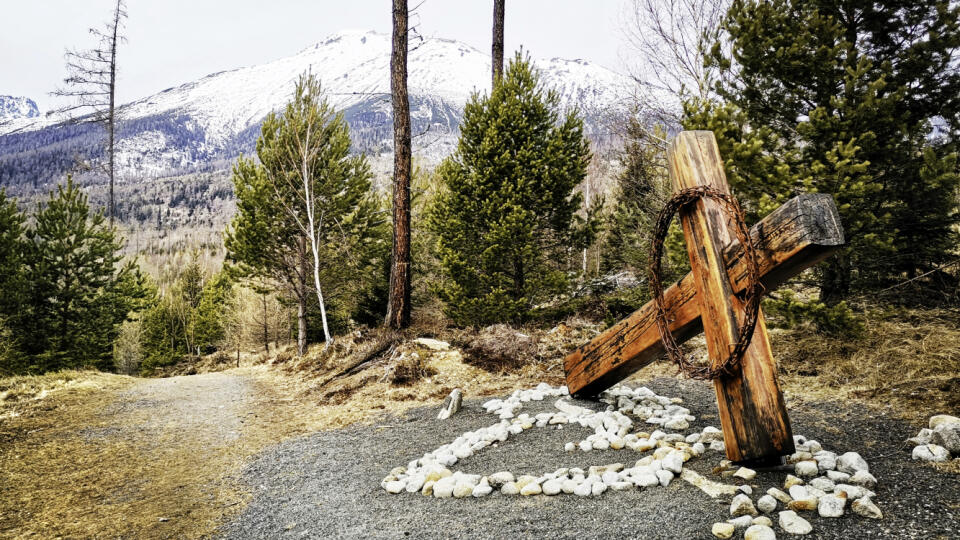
point(839, 96)
point(507, 215)
point(79, 292)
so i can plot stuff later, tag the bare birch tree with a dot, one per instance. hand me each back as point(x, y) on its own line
point(672, 39)
point(91, 85)
point(398, 305)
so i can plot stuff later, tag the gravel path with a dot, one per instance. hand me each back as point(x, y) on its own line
point(327, 484)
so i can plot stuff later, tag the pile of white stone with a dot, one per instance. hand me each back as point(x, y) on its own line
point(823, 482)
point(939, 441)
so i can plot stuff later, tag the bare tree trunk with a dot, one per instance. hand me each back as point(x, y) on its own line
point(302, 303)
point(266, 324)
point(497, 52)
point(111, 114)
point(398, 305)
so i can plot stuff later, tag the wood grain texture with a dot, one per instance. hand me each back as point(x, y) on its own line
point(753, 415)
point(799, 234)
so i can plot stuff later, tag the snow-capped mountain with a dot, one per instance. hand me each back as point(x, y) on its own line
point(14, 107)
point(205, 123)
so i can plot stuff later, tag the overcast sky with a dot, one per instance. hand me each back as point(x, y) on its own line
point(171, 42)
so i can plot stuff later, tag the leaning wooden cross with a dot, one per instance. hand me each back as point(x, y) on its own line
point(794, 237)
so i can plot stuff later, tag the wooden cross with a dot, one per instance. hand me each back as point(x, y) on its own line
point(794, 237)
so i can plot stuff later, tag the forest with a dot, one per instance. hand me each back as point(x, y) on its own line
point(528, 223)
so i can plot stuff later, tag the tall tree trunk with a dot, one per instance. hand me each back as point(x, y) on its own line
point(111, 114)
point(398, 305)
point(266, 324)
point(302, 301)
point(497, 52)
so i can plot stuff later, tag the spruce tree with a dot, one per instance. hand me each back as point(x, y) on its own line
point(506, 218)
point(838, 97)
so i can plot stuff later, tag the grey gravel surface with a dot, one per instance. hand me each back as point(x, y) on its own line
point(327, 484)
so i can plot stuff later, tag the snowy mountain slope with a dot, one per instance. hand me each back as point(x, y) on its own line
point(206, 123)
point(14, 108)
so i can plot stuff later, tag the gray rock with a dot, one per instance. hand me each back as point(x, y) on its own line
point(930, 452)
point(851, 462)
point(947, 436)
point(451, 405)
point(832, 506)
point(791, 523)
point(766, 504)
point(742, 506)
point(865, 507)
point(759, 532)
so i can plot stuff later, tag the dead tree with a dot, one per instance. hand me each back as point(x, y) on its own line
point(91, 84)
point(497, 51)
point(398, 304)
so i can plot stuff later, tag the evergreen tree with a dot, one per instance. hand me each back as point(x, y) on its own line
point(268, 237)
point(838, 97)
point(507, 215)
point(79, 292)
point(11, 256)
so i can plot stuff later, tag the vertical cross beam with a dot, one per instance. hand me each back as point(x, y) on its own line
point(752, 412)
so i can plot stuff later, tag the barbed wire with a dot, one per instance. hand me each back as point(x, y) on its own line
point(754, 289)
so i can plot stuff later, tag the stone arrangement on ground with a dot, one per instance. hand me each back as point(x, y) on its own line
point(938, 442)
point(823, 482)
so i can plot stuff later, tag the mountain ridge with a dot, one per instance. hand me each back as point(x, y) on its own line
point(203, 124)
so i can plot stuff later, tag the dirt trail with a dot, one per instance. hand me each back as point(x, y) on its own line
point(157, 458)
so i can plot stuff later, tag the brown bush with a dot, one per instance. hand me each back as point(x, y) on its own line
point(500, 348)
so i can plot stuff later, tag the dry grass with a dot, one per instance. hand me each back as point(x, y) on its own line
point(21, 394)
point(79, 468)
point(907, 360)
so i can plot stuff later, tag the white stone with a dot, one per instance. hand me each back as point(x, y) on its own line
point(779, 495)
point(395, 487)
point(806, 468)
point(741, 522)
point(673, 462)
point(791, 523)
point(940, 419)
point(851, 462)
point(838, 476)
point(498, 479)
point(763, 520)
point(924, 437)
point(826, 461)
point(482, 490)
point(567, 486)
point(759, 532)
point(930, 452)
point(832, 506)
point(823, 483)
point(510, 488)
point(647, 480)
point(532, 488)
point(766, 504)
point(745, 474)
point(718, 446)
point(746, 489)
point(598, 488)
point(582, 490)
point(552, 487)
point(863, 478)
point(665, 477)
point(742, 505)
point(677, 424)
point(433, 344)
point(723, 530)
point(947, 436)
point(865, 507)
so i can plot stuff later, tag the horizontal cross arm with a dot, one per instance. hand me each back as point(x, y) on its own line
point(799, 234)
